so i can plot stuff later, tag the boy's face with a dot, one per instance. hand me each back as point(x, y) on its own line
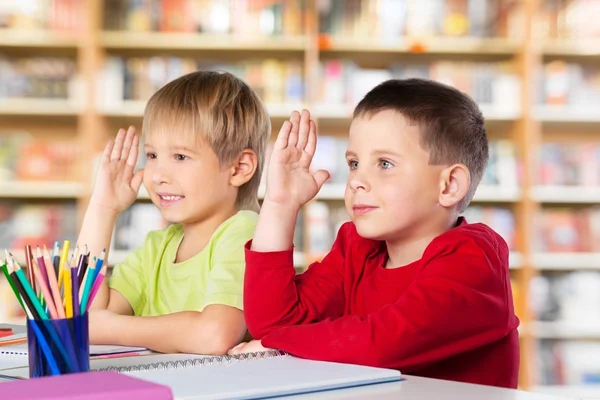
point(392, 191)
point(184, 179)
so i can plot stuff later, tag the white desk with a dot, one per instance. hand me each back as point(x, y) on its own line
point(425, 389)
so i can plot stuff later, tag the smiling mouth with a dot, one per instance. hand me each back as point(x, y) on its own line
point(170, 197)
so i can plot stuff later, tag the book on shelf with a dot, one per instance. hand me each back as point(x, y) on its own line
point(242, 19)
point(393, 20)
point(275, 81)
point(24, 157)
point(562, 19)
point(39, 223)
point(568, 230)
point(569, 363)
point(38, 78)
point(56, 15)
point(494, 85)
point(569, 164)
point(570, 84)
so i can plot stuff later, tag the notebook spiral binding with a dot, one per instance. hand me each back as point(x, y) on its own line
point(196, 362)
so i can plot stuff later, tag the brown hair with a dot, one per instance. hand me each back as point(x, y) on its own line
point(451, 124)
point(219, 109)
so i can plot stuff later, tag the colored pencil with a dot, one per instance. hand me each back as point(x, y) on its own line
point(54, 286)
point(11, 283)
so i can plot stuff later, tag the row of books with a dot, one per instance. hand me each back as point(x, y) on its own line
point(567, 19)
point(275, 81)
point(570, 84)
point(569, 297)
point(36, 77)
point(242, 18)
point(22, 224)
point(568, 230)
point(573, 363)
point(493, 84)
point(390, 20)
point(55, 15)
point(570, 163)
point(24, 157)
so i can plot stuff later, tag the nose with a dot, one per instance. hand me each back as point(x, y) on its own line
point(160, 174)
point(358, 181)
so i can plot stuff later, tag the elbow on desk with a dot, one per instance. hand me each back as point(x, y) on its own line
point(210, 338)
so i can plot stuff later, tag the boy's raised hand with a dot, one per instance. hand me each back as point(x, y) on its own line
point(117, 185)
point(289, 179)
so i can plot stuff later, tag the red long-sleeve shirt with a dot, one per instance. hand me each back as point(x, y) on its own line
point(449, 315)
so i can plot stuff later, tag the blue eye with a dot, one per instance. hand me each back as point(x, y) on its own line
point(353, 164)
point(385, 164)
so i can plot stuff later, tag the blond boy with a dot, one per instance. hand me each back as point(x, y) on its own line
point(204, 136)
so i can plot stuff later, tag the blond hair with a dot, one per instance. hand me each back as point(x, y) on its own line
point(219, 109)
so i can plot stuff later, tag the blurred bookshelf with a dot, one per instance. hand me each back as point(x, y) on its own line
point(73, 71)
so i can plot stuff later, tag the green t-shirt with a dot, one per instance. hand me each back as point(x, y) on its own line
point(155, 285)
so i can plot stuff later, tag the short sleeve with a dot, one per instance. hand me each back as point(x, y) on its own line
point(226, 277)
point(128, 279)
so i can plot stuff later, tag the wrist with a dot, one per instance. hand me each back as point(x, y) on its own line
point(102, 209)
point(282, 210)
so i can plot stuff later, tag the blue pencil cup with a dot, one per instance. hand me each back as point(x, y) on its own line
point(58, 346)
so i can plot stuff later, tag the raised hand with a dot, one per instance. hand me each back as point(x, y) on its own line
point(290, 182)
point(117, 185)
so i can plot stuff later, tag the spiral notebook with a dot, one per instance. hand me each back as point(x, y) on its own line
point(256, 375)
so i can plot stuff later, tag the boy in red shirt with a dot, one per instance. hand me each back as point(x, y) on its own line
point(408, 283)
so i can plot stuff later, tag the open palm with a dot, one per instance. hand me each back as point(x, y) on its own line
point(117, 185)
point(289, 178)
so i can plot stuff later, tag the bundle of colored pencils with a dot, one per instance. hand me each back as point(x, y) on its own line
point(58, 286)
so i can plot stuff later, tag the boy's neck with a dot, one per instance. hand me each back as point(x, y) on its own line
point(197, 235)
point(410, 249)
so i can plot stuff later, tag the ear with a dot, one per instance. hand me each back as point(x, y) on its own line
point(455, 181)
point(243, 168)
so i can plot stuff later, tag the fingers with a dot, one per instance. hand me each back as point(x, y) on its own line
point(311, 144)
point(127, 143)
point(303, 129)
point(116, 151)
point(320, 177)
point(136, 180)
point(108, 150)
point(295, 120)
point(131, 158)
point(283, 136)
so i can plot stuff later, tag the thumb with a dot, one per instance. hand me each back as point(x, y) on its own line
point(320, 177)
point(136, 181)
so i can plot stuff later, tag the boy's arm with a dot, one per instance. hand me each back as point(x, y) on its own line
point(212, 332)
point(272, 298)
point(115, 188)
point(456, 305)
point(315, 295)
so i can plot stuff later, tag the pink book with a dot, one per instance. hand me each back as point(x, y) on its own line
point(83, 386)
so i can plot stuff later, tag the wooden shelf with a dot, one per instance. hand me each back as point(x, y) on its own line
point(572, 47)
point(566, 261)
point(135, 109)
point(515, 260)
point(566, 194)
point(564, 330)
point(188, 41)
point(37, 39)
point(38, 107)
point(493, 194)
point(40, 190)
point(343, 113)
point(568, 114)
point(438, 45)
